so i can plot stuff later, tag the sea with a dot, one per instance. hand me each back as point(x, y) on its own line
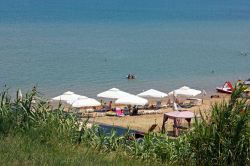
point(89, 46)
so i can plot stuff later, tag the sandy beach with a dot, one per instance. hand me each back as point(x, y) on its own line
point(144, 122)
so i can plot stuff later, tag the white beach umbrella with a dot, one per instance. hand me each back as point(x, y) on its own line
point(185, 91)
point(132, 100)
point(113, 93)
point(78, 98)
point(66, 97)
point(152, 93)
point(84, 101)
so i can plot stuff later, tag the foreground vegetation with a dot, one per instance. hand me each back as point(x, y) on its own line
point(32, 133)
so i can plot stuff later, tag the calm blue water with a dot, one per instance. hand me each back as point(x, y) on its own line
point(88, 46)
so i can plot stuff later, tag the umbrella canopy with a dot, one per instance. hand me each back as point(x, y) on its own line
point(78, 98)
point(113, 93)
point(180, 114)
point(131, 100)
point(84, 101)
point(66, 97)
point(185, 91)
point(152, 93)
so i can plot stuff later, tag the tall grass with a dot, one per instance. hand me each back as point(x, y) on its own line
point(221, 139)
point(21, 150)
point(32, 116)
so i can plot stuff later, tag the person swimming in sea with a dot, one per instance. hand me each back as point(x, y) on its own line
point(131, 76)
point(244, 53)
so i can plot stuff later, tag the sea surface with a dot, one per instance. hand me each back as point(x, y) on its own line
point(89, 46)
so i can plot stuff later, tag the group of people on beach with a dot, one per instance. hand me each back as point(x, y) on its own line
point(132, 110)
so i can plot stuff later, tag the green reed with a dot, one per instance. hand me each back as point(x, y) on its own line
point(223, 138)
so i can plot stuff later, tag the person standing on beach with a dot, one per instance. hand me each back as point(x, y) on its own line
point(110, 104)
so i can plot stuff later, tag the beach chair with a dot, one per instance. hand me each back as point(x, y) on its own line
point(185, 105)
point(119, 112)
point(146, 106)
point(177, 107)
point(195, 101)
point(110, 113)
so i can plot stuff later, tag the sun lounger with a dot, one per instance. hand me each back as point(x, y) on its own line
point(87, 115)
point(145, 112)
point(90, 110)
point(178, 107)
point(111, 113)
point(195, 101)
point(94, 114)
point(185, 105)
point(101, 110)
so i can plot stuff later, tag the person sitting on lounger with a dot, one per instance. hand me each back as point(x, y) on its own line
point(110, 104)
point(135, 110)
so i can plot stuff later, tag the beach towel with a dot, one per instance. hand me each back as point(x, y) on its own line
point(119, 112)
